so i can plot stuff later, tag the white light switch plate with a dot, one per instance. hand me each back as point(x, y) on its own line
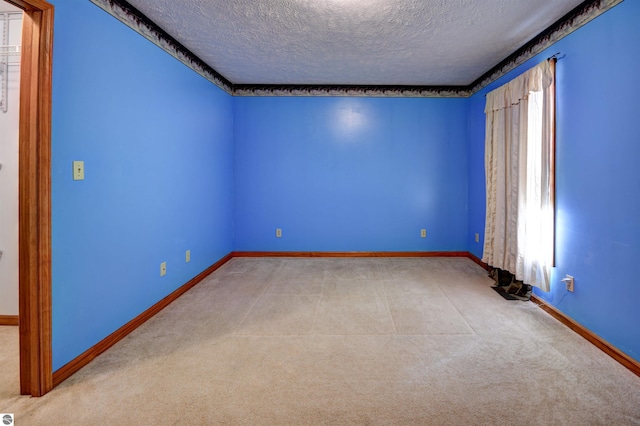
point(78, 170)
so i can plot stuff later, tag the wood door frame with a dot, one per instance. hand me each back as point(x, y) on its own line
point(34, 199)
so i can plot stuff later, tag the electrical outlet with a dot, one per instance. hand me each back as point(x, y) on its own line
point(569, 282)
point(477, 237)
point(423, 233)
point(163, 269)
point(278, 233)
point(188, 256)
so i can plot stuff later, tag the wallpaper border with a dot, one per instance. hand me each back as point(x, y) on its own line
point(137, 21)
point(573, 20)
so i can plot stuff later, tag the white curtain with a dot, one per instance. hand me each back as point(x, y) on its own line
point(519, 176)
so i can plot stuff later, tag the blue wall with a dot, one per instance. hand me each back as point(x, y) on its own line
point(350, 174)
point(157, 142)
point(598, 178)
point(172, 162)
point(477, 183)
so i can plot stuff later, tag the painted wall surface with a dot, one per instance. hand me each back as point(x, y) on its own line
point(9, 121)
point(157, 143)
point(598, 152)
point(477, 182)
point(351, 174)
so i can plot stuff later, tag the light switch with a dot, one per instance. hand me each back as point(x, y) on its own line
point(78, 170)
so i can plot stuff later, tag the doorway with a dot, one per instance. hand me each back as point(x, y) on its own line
point(10, 41)
point(10, 46)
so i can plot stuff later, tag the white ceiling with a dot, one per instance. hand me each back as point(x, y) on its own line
point(353, 42)
point(6, 7)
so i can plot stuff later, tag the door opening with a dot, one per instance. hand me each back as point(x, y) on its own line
point(10, 46)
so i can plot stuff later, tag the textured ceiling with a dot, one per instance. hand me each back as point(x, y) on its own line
point(6, 7)
point(353, 42)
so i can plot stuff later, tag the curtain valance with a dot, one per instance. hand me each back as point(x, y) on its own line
point(536, 79)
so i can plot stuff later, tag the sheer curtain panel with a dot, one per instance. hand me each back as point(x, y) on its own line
point(519, 158)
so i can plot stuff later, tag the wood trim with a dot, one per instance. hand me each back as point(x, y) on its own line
point(350, 254)
point(603, 345)
point(34, 202)
point(9, 320)
point(478, 261)
point(90, 354)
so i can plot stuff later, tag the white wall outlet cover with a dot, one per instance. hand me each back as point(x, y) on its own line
point(569, 281)
point(278, 233)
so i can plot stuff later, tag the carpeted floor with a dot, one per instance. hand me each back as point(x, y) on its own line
point(339, 341)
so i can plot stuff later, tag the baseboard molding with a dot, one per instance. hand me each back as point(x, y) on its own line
point(350, 254)
point(478, 261)
point(606, 347)
point(90, 354)
point(9, 320)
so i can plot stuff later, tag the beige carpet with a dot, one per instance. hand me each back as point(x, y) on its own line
point(339, 341)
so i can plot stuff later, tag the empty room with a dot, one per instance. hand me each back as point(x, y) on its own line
point(319, 212)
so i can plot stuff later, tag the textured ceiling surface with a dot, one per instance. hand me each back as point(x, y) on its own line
point(353, 42)
point(6, 7)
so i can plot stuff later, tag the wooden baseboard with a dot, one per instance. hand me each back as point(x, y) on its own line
point(350, 254)
point(9, 320)
point(603, 345)
point(478, 260)
point(85, 358)
point(90, 354)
